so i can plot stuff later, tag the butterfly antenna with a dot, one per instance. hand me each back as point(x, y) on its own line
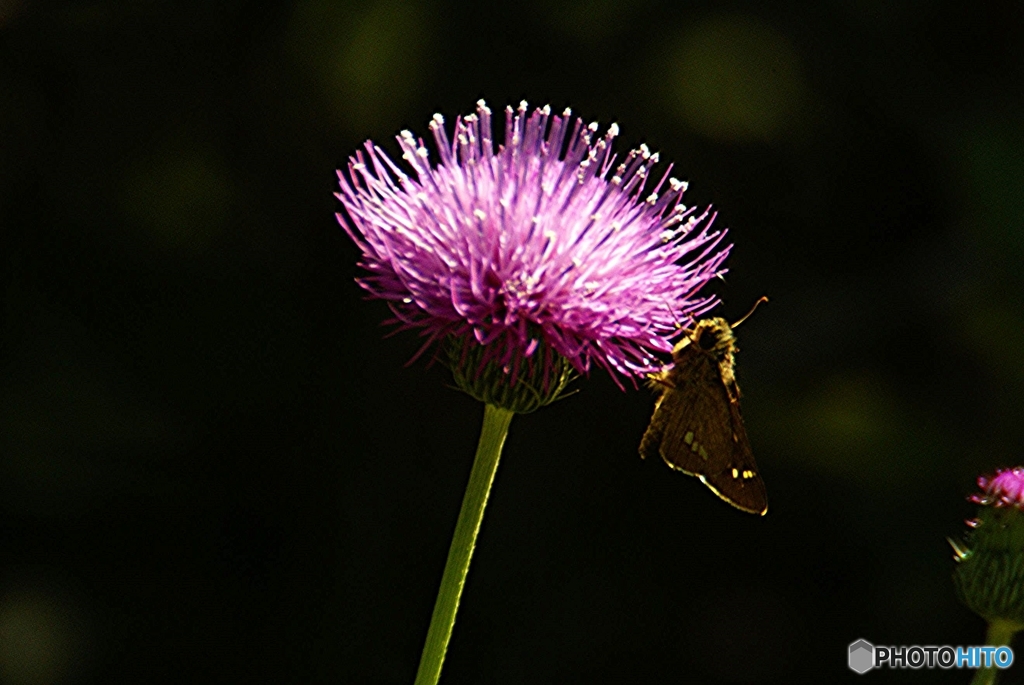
point(747, 315)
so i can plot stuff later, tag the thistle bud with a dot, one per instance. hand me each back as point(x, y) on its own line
point(989, 576)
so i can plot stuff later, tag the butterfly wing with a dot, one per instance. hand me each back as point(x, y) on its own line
point(697, 428)
point(739, 482)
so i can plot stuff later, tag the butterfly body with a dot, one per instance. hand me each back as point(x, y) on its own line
point(697, 427)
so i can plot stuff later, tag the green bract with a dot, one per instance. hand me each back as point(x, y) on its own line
point(526, 385)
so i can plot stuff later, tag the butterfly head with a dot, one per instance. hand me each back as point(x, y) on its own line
point(710, 336)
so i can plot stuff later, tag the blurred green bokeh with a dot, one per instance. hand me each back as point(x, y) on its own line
point(182, 195)
point(367, 61)
point(733, 78)
point(39, 638)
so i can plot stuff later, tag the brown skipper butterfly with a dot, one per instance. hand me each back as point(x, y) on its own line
point(697, 427)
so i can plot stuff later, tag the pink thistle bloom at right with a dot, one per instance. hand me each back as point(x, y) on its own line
point(1005, 488)
point(546, 241)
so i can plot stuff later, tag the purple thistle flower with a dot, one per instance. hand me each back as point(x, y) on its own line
point(1004, 489)
point(544, 242)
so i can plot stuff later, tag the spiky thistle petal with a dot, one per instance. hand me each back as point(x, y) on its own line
point(547, 240)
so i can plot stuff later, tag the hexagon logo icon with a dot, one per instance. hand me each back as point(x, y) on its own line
point(862, 656)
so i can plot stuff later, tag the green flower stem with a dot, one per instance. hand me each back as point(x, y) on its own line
point(488, 451)
point(999, 633)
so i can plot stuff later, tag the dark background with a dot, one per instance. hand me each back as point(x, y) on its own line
point(213, 468)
